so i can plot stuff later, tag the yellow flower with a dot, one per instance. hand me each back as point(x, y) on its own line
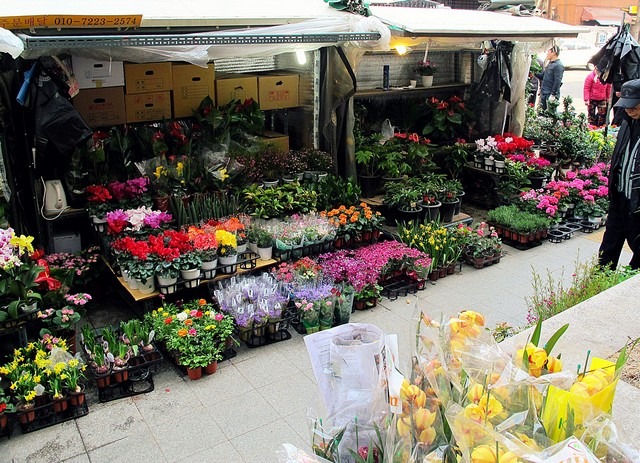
point(36, 379)
point(23, 243)
point(490, 406)
point(484, 454)
point(30, 396)
point(179, 168)
point(475, 393)
point(427, 436)
point(160, 171)
point(73, 363)
point(222, 174)
point(59, 367)
point(474, 412)
point(403, 427)
point(554, 365)
point(423, 418)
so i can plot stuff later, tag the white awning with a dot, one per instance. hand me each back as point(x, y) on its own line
point(445, 26)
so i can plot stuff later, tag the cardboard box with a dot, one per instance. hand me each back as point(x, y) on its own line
point(101, 107)
point(278, 140)
point(148, 106)
point(278, 91)
point(97, 74)
point(148, 77)
point(231, 87)
point(191, 84)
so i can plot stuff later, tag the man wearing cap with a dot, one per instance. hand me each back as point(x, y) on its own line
point(623, 222)
point(551, 77)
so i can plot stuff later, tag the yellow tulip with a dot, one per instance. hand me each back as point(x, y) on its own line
point(473, 316)
point(593, 383)
point(474, 412)
point(403, 427)
point(484, 454)
point(427, 436)
point(423, 418)
point(554, 365)
point(538, 357)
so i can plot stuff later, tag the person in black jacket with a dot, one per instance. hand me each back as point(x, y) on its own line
point(551, 77)
point(623, 222)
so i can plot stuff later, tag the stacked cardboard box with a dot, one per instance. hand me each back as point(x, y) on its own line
point(148, 91)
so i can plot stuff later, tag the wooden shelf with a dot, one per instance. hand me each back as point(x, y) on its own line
point(398, 91)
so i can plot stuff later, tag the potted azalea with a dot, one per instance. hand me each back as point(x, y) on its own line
point(227, 250)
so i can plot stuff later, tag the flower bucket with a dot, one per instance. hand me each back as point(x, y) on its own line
point(427, 81)
point(209, 265)
point(190, 274)
point(163, 281)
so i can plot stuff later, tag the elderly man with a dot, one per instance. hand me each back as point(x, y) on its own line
point(551, 77)
point(623, 222)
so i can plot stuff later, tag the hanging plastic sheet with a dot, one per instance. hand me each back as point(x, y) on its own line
point(9, 43)
point(620, 55)
point(495, 83)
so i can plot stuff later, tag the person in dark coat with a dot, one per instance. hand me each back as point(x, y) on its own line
point(551, 77)
point(623, 222)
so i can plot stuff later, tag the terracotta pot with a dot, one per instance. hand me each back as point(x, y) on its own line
point(194, 373)
point(60, 405)
point(26, 414)
point(77, 398)
point(211, 368)
point(120, 376)
point(103, 382)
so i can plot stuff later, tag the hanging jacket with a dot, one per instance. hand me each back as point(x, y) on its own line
point(594, 89)
point(551, 78)
point(624, 135)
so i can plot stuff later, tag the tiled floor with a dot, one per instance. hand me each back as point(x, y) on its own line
point(260, 398)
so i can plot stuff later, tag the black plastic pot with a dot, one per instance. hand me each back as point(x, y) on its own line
point(369, 185)
point(431, 212)
point(536, 181)
point(459, 197)
point(447, 210)
point(407, 215)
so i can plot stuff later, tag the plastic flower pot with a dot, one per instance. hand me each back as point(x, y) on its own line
point(194, 373)
point(265, 253)
point(209, 265)
point(447, 210)
point(190, 274)
point(211, 368)
point(147, 287)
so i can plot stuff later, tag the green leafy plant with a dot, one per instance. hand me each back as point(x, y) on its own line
point(551, 297)
point(335, 190)
point(190, 260)
point(403, 195)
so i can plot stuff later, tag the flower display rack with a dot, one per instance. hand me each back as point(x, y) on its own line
point(48, 414)
point(135, 379)
point(401, 286)
point(246, 261)
point(269, 333)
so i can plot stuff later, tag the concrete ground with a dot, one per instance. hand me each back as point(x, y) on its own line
point(259, 399)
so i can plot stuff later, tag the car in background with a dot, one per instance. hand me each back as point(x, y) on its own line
point(574, 53)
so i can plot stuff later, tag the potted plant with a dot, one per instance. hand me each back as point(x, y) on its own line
point(167, 272)
point(309, 315)
point(143, 271)
point(98, 204)
point(426, 69)
point(190, 264)
point(264, 240)
point(227, 251)
point(72, 382)
point(318, 164)
point(6, 407)
point(367, 160)
point(393, 165)
point(449, 197)
point(206, 245)
point(404, 197)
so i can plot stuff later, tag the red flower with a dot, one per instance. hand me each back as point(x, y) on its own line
point(98, 194)
point(168, 320)
point(443, 105)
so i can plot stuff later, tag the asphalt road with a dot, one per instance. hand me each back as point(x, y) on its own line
point(572, 84)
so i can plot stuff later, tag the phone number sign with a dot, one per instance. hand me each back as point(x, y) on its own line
point(72, 21)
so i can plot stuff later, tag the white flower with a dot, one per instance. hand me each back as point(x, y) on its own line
point(182, 316)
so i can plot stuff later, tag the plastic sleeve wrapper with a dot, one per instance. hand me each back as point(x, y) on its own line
point(291, 454)
point(569, 450)
point(608, 442)
point(350, 368)
point(10, 43)
point(565, 411)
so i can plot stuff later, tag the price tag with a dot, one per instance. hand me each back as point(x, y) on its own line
point(218, 294)
point(263, 304)
point(240, 309)
point(250, 293)
point(265, 292)
point(71, 21)
point(250, 308)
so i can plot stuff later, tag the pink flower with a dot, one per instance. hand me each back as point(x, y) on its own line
point(218, 317)
point(192, 332)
